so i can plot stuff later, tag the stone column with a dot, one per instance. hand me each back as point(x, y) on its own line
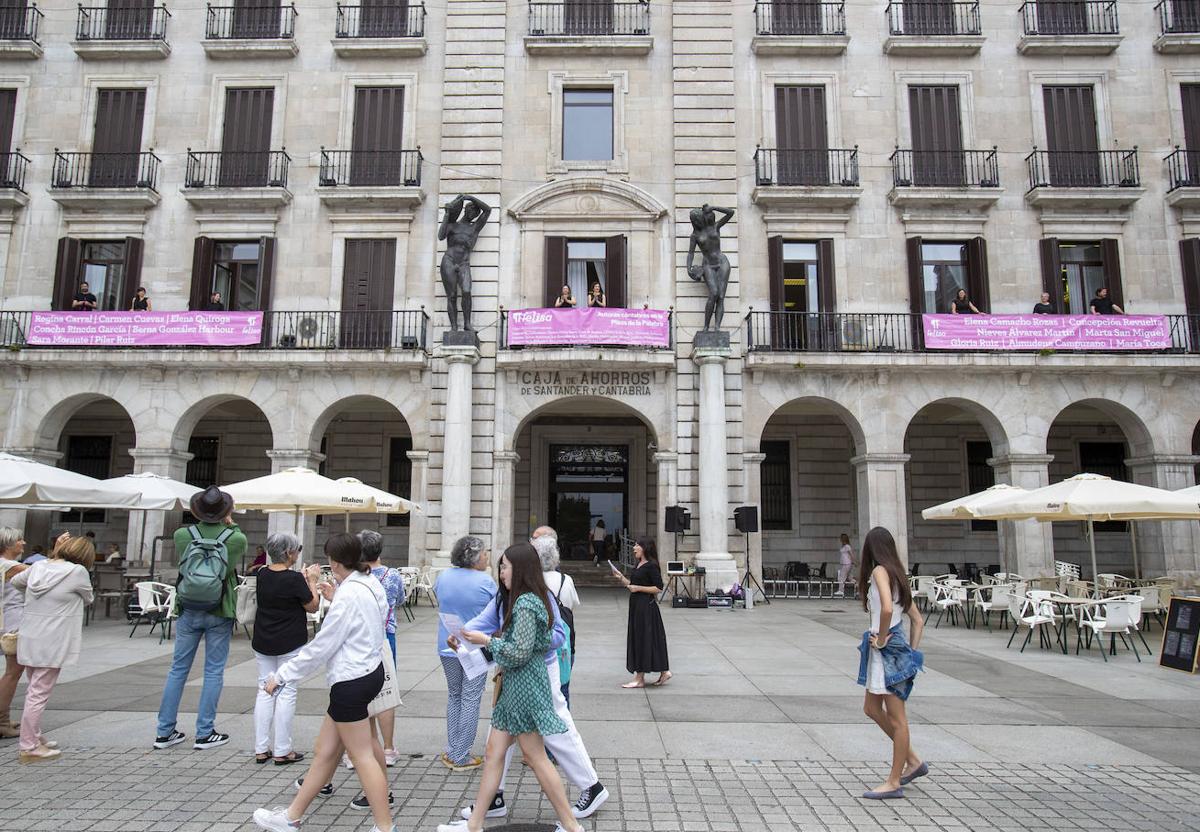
point(145, 527)
point(668, 495)
point(882, 500)
point(1027, 545)
point(504, 485)
point(304, 527)
point(713, 475)
point(752, 468)
point(36, 524)
point(1168, 546)
point(456, 444)
point(418, 521)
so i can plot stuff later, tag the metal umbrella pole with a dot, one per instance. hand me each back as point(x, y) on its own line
point(1092, 544)
point(1137, 567)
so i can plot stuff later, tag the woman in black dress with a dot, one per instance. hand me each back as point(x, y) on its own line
point(646, 639)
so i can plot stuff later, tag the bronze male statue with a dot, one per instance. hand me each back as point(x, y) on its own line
point(460, 237)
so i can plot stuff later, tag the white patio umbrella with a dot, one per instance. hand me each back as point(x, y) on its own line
point(301, 491)
point(25, 483)
point(384, 502)
point(968, 507)
point(158, 493)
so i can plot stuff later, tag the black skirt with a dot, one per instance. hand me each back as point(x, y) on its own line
point(646, 639)
point(348, 700)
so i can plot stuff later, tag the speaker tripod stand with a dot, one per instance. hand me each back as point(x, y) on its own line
point(749, 582)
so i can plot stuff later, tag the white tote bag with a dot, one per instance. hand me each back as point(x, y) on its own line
point(389, 696)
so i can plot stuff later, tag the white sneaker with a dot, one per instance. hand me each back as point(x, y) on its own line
point(275, 820)
point(391, 757)
point(453, 826)
point(346, 761)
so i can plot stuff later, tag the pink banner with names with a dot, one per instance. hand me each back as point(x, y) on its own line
point(592, 327)
point(1046, 332)
point(144, 329)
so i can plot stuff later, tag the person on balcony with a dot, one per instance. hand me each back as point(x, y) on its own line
point(215, 304)
point(1102, 304)
point(961, 305)
point(565, 299)
point(596, 296)
point(84, 300)
point(1044, 307)
point(141, 303)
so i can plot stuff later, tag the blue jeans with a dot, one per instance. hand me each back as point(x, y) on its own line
point(189, 629)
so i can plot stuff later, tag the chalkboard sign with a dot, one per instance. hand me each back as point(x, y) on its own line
point(1181, 636)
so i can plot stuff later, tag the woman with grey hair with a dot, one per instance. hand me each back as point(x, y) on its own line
point(12, 546)
point(462, 590)
point(280, 630)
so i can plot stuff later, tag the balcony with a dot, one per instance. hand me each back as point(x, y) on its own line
point(1183, 171)
point(817, 178)
point(110, 181)
point(19, 32)
point(590, 28)
point(121, 33)
point(12, 182)
point(370, 179)
point(1069, 27)
point(963, 179)
point(380, 31)
point(799, 27)
point(930, 27)
point(231, 180)
point(1091, 179)
point(264, 31)
point(1179, 24)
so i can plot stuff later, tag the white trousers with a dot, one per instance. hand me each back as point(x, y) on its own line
point(273, 711)
point(843, 575)
point(566, 747)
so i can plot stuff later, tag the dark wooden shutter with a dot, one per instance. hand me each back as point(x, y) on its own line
point(266, 272)
point(1051, 271)
point(1112, 271)
point(378, 136)
point(775, 272)
point(916, 276)
point(1189, 94)
point(13, 22)
point(1189, 256)
point(977, 274)
point(202, 272)
point(256, 19)
point(555, 267)
point(368, 280)
point(383, 19)
point(128, 19)
point(133, 271)
point(929, 17)
point(66, 273)
point(117, 137)
point(615, 267)
point(587, 17)
point(796, 17)
point(801, 140)
point(8, 110)
point(246, 137)
point(936, 135)
point(826, 277)
point(1071, 137)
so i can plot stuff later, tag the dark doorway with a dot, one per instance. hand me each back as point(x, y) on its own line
point(801, 138)
point(1074, 158)
point(937, 136)
point(117, 138)
point(587, 483)
point(246, 137)
point(368, 279)
point(378, 136)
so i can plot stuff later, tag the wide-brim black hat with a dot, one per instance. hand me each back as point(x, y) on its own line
point(212, 505)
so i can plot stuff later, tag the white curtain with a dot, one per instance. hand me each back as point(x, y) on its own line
point(577, 280)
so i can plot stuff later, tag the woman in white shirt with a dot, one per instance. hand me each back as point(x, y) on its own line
point(349, 646)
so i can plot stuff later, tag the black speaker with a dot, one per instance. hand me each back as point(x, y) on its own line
point(678, 519)
point(745, 518)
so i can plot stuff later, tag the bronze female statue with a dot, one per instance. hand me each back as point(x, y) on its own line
point(714, 266)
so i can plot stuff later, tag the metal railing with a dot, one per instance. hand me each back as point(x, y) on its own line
point(1178, 16)
point(122, 23)
point(291, 330)
point(503, 338)
point(265, 22)
point(931, 17)
point(12, 170)
point(1183, 169)
point(817, 166)
point(1070, 17)
point(370, 167)
point(19, 22)
point(236, 169)
point(589, 19)
point(945, 168)
point(1083, 169)
point(399, 21)
point(888, 332)
point(798, 17)
point(105, 170)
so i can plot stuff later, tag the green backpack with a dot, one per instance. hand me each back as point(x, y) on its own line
point(202, 568)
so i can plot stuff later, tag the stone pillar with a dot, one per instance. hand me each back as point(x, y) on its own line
point(882, 500)
point(145, 527)
point(752, 467)
point(418, 521)
point(1027, 546)
point(1168, 546)
point(714, 475)
point(668, 495)
point(35, 524)
point(305, 526)
point(504, 486)
point(456, 453)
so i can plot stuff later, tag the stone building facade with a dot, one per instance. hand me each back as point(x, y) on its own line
point(878, 156)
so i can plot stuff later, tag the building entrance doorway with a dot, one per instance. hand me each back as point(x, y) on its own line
point(587, 483)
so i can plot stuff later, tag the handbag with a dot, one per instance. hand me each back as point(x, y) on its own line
point(8, 641)
point(498, 680)
point(388, 697)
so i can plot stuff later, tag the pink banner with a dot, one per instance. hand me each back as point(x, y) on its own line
point(1046, 332)
point(144, 329)
point(591, 327)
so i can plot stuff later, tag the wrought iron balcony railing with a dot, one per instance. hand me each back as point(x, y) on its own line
point(933, 17)
point(122, 23)
point(1070, 17)
point(237, 169)
point(105, 170)
point(1183, 169)
point(399, 21)
point(817, 166)
point(945, 168)
point(269, 21)
point(1083, 169)
point(503, 336)
point(20, 22)
point(1178, 16)
point(12, 170)
point(589, 19)
point(395, 168)
point(799, 17)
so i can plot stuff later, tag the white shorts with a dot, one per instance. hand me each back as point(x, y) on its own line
point(876, 682)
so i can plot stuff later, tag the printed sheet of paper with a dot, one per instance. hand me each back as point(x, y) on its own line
point(452, 623)
point(474, 663)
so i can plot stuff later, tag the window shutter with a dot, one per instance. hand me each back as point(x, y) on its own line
point(133, 271)
point(66, 273)
point(1051, 272)
point(266, 272)
point(1112, 271)
point(977, 274)
point(916, 276)
point(1189, 254)
point(8, 111)
point(826, 278)
point(615, 267)
point(555, 267)
point(775, 271)
point(202, 272)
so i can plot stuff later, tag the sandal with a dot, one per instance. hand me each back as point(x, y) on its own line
point(662, 679)
point(259, 759)
point(293, 757)
point(631, 685)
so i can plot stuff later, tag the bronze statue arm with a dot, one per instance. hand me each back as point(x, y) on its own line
point(690, 256)
point(453, 209)
point(727, 212)
point(485, 211)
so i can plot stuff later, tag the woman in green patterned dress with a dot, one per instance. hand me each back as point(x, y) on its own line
point(525, 709)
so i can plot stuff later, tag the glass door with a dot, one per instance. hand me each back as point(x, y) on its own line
point(588, 483)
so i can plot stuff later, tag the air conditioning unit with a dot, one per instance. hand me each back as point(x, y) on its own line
point(854, 335)
point(315, 331)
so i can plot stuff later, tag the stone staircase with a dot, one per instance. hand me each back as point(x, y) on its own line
point(587, 576)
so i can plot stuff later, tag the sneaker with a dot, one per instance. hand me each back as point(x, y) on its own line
point(173, 738)
point(211, 741)
point(391, 757)
point(38, 755)
point(361, 802)
point(590, 799)
point(346, 761)
point(326, 790)
point(453, 826)
point(496, 810)
point(275, 820)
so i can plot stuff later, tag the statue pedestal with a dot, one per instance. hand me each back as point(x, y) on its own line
point(713, 482)
point(456, 454)
point(460, 338)
point(707, 339)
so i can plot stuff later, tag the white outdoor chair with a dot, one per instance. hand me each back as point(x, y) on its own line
point(994, 597)
point(153, 606)
point(424, 584)
point(1007, 577)
point(1152, 603)
point(1037, 613)
point(948, 597)
point(1113, 617)
point(922, 589)
point(1078, 589)
point(315, 618)
point(1111, 580)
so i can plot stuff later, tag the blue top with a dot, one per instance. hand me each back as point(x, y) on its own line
point(34, 558)
point(489, 621)
point(393, 588)
point(461, 592)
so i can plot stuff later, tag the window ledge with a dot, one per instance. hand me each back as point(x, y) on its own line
point(251, 48)
point(933, 44)
point(121, 50)
point(1177, 43)
point(1084, 198)
point(799, 44)
point(20, 50)
point(1185, 198)
point(978, 199)
point(785, 197)
point(368, 197)
point(12, 200)
point(589, 44)
point(238, 199)
point(1068, 44)
point(106, 199)
point(380, 47)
